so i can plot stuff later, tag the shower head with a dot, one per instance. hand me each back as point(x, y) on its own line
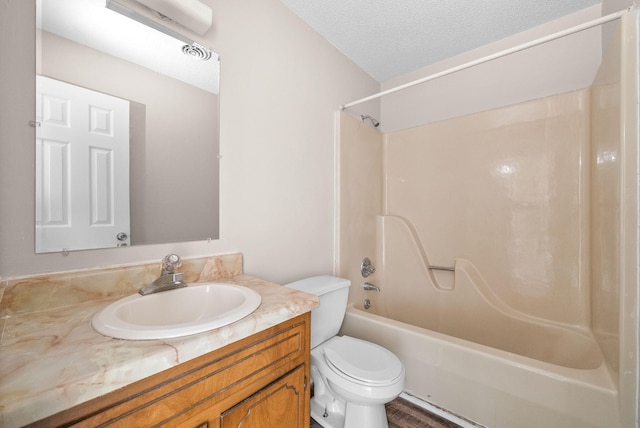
point(374, 122)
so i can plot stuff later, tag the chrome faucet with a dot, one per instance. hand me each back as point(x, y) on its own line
point(371, 287)
point(169, 279)
point(366, 268)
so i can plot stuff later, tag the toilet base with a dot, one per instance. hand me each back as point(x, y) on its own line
point(342, 402)
point(330, 416)
point(334, 414)
point(374, 416)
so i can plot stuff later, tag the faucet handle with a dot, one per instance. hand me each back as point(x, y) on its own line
point(366, 268)
point(170, 263)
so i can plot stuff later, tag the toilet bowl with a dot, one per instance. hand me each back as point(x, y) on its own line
point(352, 378)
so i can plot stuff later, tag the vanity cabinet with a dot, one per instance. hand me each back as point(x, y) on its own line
point(281, 404)
point(260, 381)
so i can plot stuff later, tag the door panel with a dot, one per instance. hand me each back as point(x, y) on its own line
point(279, 405)
point(82, 168)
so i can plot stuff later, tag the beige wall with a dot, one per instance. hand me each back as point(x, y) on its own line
point(560, 66)
point(278, 98)
point(610, 6)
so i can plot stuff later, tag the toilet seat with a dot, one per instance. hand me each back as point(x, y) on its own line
point(361, 361)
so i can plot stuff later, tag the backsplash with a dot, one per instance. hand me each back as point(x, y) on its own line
point(56, 290)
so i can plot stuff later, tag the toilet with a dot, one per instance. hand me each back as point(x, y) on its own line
point(352, 378)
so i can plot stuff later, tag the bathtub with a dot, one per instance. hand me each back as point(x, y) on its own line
point(490, 386)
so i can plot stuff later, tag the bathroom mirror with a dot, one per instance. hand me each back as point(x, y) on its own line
point(126, 132)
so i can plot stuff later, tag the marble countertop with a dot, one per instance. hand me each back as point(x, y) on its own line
point(53, 360)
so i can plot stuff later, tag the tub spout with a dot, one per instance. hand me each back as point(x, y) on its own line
point(371, 287)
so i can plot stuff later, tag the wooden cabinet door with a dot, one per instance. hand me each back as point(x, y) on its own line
point(279, 405)
point(206, 419)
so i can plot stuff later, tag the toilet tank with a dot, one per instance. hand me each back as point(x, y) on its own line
point(333, 293)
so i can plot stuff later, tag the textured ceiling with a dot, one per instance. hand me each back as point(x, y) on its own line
point(389, 38)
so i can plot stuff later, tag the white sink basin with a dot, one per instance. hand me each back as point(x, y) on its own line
point(175, 313)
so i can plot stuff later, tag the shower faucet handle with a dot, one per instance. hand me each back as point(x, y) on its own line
point(366, 268)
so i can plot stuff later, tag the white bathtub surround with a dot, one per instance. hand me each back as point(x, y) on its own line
point(463, 305)
point(489, 386)
point(534, 207)
point(439, 411)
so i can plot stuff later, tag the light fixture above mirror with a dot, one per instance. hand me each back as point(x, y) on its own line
point(192, 15)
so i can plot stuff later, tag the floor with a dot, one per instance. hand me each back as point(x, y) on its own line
point(403, 414)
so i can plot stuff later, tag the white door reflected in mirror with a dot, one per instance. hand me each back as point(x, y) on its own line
point(82, 168)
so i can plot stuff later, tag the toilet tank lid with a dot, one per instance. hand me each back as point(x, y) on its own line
point(320, 285)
